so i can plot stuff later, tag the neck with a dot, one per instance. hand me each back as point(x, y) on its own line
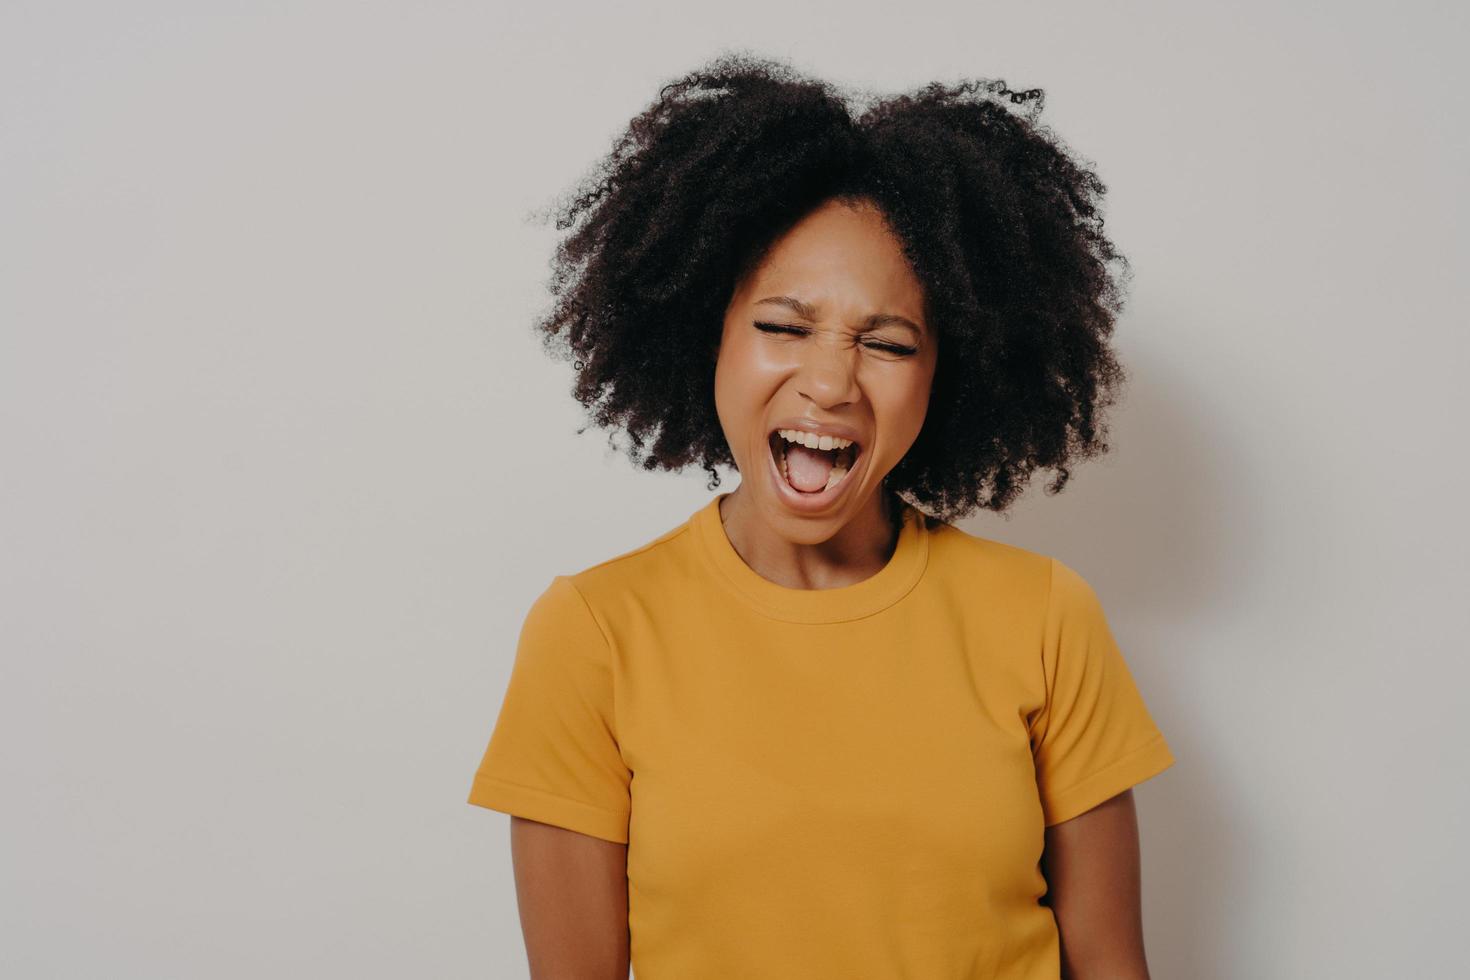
point(791, 552)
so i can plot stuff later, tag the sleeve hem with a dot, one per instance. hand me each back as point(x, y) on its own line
point(1144, 762)
point(539, 805)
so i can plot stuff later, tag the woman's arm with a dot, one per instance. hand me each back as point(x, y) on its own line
point(1091, 867)
point(572, 890)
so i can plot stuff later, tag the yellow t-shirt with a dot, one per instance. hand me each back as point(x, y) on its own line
point(832, 783)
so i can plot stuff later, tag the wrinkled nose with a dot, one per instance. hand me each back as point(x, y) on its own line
point(828, 375)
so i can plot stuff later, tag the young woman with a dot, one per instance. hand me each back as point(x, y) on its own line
point(816, 730)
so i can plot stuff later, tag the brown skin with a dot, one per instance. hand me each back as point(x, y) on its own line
point(1091, 864)
point(572, 890)
point(844, 264)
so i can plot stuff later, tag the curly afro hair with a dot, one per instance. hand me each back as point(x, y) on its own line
point(1001, 226)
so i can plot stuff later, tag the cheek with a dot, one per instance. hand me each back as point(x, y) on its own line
point(902, 412)
point(740, 396)
point(728, 389)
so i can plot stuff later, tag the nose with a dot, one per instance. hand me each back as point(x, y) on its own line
point(828, 371)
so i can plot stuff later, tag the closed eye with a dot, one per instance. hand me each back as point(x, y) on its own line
point(777, 328)
point(799, 331)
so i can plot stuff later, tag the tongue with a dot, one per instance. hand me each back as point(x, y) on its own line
point(808, 468)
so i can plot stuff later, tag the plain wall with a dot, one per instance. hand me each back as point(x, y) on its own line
point(284, 466)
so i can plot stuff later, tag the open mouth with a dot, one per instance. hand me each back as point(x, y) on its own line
point(812, 470)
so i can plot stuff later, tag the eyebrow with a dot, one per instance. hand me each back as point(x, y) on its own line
point(808, 312)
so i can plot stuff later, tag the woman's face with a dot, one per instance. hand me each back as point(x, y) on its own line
point(826, 335)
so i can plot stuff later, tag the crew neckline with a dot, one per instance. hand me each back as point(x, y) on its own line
point(873, 594)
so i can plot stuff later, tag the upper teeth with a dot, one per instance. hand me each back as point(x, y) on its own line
point(813, 441)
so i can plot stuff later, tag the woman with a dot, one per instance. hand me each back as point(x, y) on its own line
point(815, 730)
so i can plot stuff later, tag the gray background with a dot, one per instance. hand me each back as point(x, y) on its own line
point(284, 466)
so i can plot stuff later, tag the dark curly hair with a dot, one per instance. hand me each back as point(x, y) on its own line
point(1001, 226)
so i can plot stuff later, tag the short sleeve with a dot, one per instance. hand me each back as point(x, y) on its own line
point(1094, 737)
point(553, 755)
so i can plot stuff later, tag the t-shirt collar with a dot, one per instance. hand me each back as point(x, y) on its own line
point(873, 594)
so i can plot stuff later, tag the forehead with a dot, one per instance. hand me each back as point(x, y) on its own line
point(845, 261)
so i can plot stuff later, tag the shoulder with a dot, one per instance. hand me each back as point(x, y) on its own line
point(956, 552)
point(976, 563)
point(657, 566)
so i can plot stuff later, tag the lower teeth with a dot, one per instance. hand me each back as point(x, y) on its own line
point(833, 478)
